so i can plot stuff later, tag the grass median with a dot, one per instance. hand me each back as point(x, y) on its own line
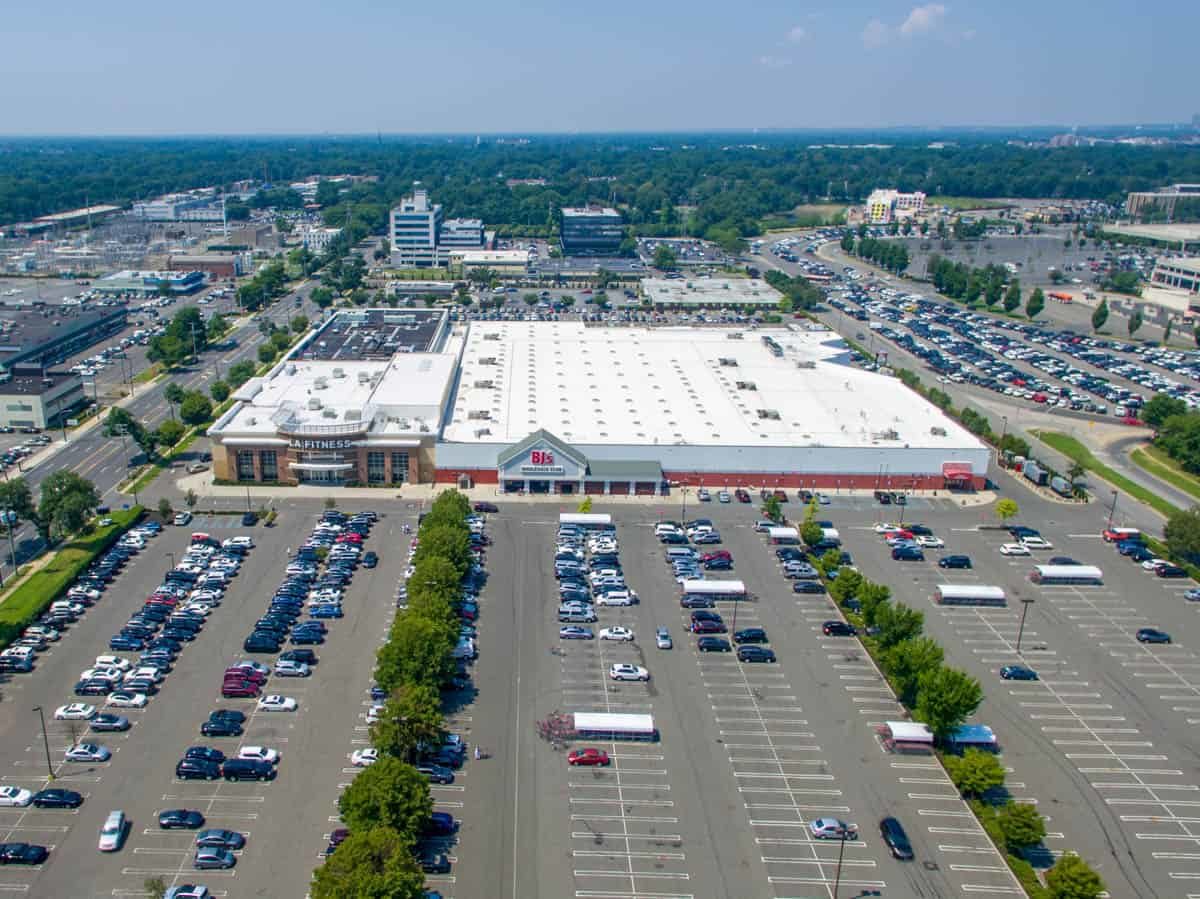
point(1077, 452)
point(1154, 461)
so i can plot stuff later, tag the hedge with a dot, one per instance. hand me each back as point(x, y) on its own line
point(32, 597)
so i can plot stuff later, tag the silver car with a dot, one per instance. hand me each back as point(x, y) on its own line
point(662, 638)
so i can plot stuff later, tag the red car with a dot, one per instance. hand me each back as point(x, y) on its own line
point(587, 756)
point(743, 496)
point(255, 677)
point(716, 554)
point(233, 689)
point(704, 626)
point(349, 538)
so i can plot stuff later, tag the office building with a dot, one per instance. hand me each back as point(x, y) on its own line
point(317, 240)
point(422, 238)
point(1177, 202)
point(31, 398)
point(1177, 274)
point(886, 206)
point(591, 231)
point(461, 234)
point(150, 283)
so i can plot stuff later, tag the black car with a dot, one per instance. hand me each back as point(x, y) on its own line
point(432, 861)
point(221, 727)
point(261, 643)
point(22, 854)
point(181, 819)
point(106, 722)
point(838, 629)
point(486, 507)
point(205, 753)
point(1170, 571)
point(178, 633)
point(197, 769)
point(908, 554)
point(56, 798)
point(918, 530)
point(750, 635)
point(954, 562)
point(896, 839)
point(94, 687)
point(808, 587)
point(1061, 560)
point(1152, 635)
point(696, 602)
point(755, 654)
point(307, 656)
point(370, 560)
point(307, 638)
point(249, 519)
point(713, 644)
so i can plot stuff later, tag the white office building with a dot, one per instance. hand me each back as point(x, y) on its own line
point(422, 238)
point(317, 240)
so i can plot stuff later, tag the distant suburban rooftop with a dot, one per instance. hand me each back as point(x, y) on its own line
point(374, 335)
point(589, 211)
point(24, 330)
point(685, 386)
point(33, 383)
point(712, 292)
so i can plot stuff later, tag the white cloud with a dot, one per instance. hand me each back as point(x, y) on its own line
point(922, 19)
point(774, 62)
point(876, 34)
point(797, 34)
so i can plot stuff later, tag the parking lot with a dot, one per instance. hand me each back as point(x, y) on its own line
point(286, 821)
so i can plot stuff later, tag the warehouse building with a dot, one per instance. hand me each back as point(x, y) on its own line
point(710, 293)
point(40, 339)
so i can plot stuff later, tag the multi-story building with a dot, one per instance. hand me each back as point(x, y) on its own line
point(32, 398)
point(179, 207)
point(422, 238)
point(150, 283)
point(39, 340)
point(886, 206)
point(591, 231)
point(317, 240)
point(461, 234)
point(1178, 274)
point(1174, 203)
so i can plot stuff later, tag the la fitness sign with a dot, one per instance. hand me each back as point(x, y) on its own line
point(321, 444)
point(541, 462)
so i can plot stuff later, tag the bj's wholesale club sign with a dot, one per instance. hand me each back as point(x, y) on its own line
point(541, 462)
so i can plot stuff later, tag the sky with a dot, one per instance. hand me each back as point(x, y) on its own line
point(477, 66)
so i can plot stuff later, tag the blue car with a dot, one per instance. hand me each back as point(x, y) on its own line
point(1018, 672)
point(325, 611)
point(121, 641)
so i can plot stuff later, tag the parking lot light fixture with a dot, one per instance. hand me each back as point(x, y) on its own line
point(1025, 604)
point(45, 742)
point(1112, 510)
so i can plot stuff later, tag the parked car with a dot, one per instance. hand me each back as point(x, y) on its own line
point(896, 839)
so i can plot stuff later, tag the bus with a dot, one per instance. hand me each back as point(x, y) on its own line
point(612, 726)
point(717, 591)
point(1066, 574)
point(969, 595)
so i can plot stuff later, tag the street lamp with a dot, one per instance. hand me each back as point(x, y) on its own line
point(1112, 511)
point(837, 874)
point(1025, 604)
point(683, 506)
point(45, 742)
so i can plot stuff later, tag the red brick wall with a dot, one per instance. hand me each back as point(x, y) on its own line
point(792, 480)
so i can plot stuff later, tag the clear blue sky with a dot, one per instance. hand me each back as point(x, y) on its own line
point(263, 66)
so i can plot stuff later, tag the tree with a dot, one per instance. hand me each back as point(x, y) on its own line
point(975, 772)
point(1160, 407)
point(299, 324)
point(16, 497)
point(155, 887)
point(389, 793)
point(174, 395)
point(1135, 322)
point(946, 698)
point(871, 597)
point(1100, 315)
point(585, 506)
point(164, 508)
point(370, 864)
point(907, 661)
point(66, 504)
point(1036, 303)
point(410, 718)
point(119, 423)
point(1182, 534)
point(280, 340)
point(417, 651)
point(665, 258)
point(267, 352)
point(1073, 878)
point(772, 509)
point(897, 623)
point(1167, 331)
point(845, 586)
point(322, 297)
point(215, 328)
point(450, 543)
point(1022, 824)
point(220, 391)
point(170, 432)
point(1006, 509)
point(434, 576)
point(811, 533)
point(530, 299)
point(1012, 297)
point(1076, 473)
point(196, 408)
point(848, 242)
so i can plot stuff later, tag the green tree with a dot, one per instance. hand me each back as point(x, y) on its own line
point(280, 340)
point(1135, 322)
point(811, 533)
point(848, 242)
point(174, 395)
point(389, 793)
point(1022, 824)
point(830, 562)
point(1012, 297)
point(170, 432)
point(1100, 315)
point(772, 509)
point(216, 328)
point(1196, 334)
point(1006, 509)
point(120, 423)
point(1167, 331)
point(410, 718)
point(994, 292)
point(1182, 534)
point(1073, 878)
point(16, 497)
point(155, 887)
point(299, 324)
point(665, 258)
point(267, 352)
point(946, 698)
point(585, 506)
point(417, 651)
point(846, 585)
point(434, 576)
point(897, 623)
point(371, 864)
point(1036, 303)
point(164, 508)
point(1160, 407)
point(220, 391)
point(975, 772)
point(322, 297)
point(907, 661)
point(196, 408)
point(448, 542)
point(530, 299)
point(239, 373)
point(67, 501)
point(872, 597)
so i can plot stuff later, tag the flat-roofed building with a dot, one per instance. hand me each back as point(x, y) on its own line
point(504, 262)
point(150, 283)
point(31, 398)
point(1177, 274)
point(415, 225)
point(885, 206)
point(711, 293)
point(591, 231)
point(41, 339)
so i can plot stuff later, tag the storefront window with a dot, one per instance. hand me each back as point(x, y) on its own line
point(375, 468)
point(399, 468)
point(270, 465)
point(245, 465)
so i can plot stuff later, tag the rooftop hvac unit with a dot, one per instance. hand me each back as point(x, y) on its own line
point(329, 413)
point(339, 372)
point(734, 335)
point(937, 432)
point(363, 377)
point(352, 415)
point(479, 415)
point(728, 362)
point(746, 385)
point(485, 385)
point(482, 432)
point(422, 426)
point(314, 404)
point(321, 384)
point(291, 369)
point(805, 363)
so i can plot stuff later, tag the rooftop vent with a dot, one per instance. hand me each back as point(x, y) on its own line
point(771, 414)
point(321, 384)
point(330, 413)
point(937, 432)
point(314, 404)
point(488, 360)
point(805, 363)
point(339, 372)
point(746, 385)
point(479, 415)
point(734, 335)
point(728, 362)
point(485, 385)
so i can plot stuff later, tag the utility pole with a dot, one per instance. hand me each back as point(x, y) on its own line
point(1025, 604)
point(45, 742)
point(1112, 511)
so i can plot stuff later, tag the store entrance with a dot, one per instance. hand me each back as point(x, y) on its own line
point(539, 486)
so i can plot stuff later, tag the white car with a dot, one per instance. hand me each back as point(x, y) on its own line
point(182, 518)
point(360, 758)
point(277, 703)
point(113, 662)
point(832, 829)
point(42, 632)
point(112, 833)
point(88, 752)
point(15, 797)
point(723, 496)
point(239, 541)
point(1151, 564)
point(1014, 549)
point(374, 712)
point(623, 671)
point(664, 528)
point(931, 542)
point(259, 754)
point(124, 699)
point(886, 527)
point(112, 675)
point(616, 598)
point(617, 632)
point(76, 711)
point(1036, 543)
point(288, 668)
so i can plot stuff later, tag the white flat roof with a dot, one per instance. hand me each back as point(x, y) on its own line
point(612, 721)
point(711, 292)
point(668, 386)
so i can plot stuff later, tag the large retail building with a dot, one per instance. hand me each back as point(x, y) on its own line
point(389, 396)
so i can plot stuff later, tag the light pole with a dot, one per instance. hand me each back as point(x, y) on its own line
point(1025, 604)
point(683, 507)
point(1112, 510)
point(45, 742)
point(837, 874)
